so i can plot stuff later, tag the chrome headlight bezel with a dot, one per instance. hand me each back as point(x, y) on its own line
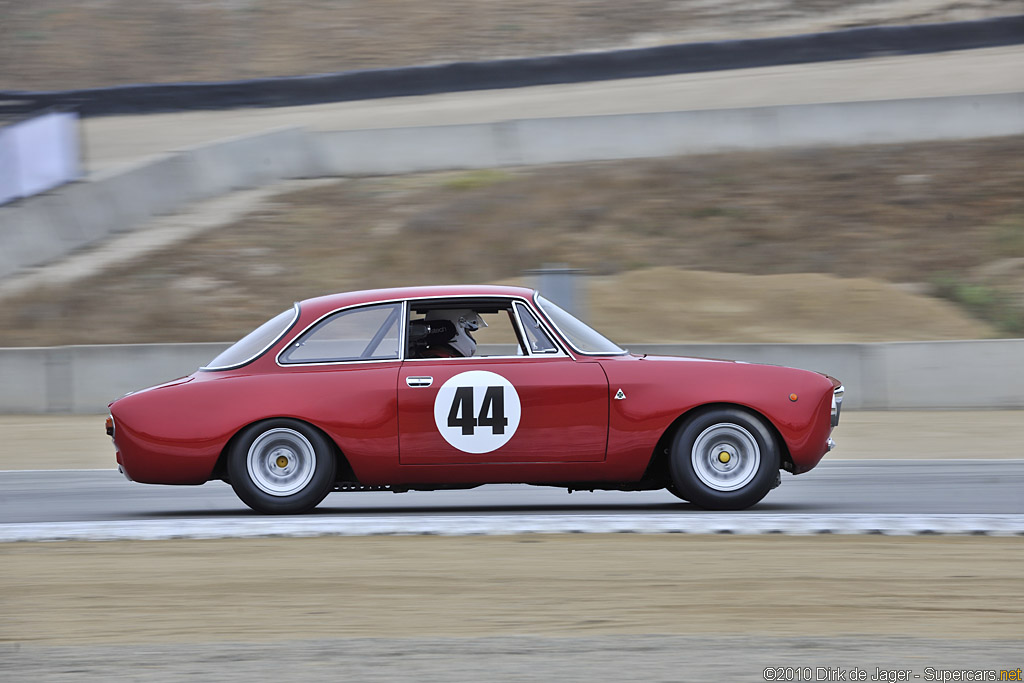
point(837, 403)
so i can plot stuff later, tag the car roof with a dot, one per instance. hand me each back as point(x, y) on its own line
point(324, 304)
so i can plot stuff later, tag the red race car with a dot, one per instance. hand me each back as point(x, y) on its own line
point(432, 388)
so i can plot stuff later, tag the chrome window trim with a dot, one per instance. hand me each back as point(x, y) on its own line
point(563, 350)
point(522, 330)
point(622, 352)
point(481, 358)
point(404, 330)
point(338, 362)
point(287, 329)
point(562, 353)
point(403, 341)
point(401, 337)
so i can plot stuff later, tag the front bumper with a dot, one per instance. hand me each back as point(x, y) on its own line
point(111, 430)
point(837, 407)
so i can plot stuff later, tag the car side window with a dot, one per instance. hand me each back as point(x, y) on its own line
point(536, 337)
point(462, 328)
point(367, 333)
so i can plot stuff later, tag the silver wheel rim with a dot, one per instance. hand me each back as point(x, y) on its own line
point(725, 457)
point(281, 462)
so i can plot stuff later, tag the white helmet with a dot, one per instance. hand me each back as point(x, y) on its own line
point(465, 321)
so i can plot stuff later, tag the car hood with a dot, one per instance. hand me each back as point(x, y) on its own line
point(686, 359)
point(709, 361)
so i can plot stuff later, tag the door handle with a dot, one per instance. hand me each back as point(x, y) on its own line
point(419, 381)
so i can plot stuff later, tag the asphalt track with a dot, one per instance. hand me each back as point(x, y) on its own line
point(876, 487)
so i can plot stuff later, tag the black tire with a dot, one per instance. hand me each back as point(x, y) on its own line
point(724, 459)
point(671, 488)
point(281, 467)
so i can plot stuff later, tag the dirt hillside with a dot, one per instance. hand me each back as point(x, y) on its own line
point(847, 245)
point(55, 44)
point(667, 305)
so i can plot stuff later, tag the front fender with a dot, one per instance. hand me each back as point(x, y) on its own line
point(658, 390)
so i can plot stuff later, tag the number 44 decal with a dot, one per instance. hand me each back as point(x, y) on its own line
point(477, 411)
point(492, 411)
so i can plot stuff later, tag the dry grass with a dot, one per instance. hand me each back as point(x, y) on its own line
point(943, 219)
point(53, 44)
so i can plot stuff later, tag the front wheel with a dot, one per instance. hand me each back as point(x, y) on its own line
point(281, 467)
point(724, 459)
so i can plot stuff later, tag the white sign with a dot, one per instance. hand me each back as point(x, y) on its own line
point(38, 154)
point(477, 411)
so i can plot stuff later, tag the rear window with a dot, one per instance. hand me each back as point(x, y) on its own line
point(253, 345)
point(368, 333)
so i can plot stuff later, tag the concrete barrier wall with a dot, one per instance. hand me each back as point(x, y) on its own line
point(627, 136)
point(884, 376)
point(120, 368)
point(44, 228)
point(837, 124)
point(83, 379)
point(894, 375)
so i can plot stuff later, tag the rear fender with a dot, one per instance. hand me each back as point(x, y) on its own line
point(343, 470)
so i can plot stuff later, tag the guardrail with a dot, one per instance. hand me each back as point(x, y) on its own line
point(884, 376)
point(41, 229)
point(855, 43)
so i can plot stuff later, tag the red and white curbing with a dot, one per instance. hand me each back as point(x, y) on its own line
point(504, 525)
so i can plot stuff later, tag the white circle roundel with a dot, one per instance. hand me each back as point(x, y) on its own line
point(477, 411)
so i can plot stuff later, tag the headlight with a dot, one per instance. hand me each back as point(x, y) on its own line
point(837, 403)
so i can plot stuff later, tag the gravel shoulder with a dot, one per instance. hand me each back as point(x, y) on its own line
point(53, 442)
point(273, 590)
point(582, 659)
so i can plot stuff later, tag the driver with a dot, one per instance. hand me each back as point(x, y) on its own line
point(465, 322)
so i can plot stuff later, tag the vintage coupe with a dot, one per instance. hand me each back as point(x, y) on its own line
point(430, 388)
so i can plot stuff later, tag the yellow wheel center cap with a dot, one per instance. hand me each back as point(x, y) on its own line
point(724, 457)
point(282, 461)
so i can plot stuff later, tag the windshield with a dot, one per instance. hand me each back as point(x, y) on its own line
point(579, 335)
point(252, 345)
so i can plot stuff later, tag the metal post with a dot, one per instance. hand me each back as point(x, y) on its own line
point(562, 285)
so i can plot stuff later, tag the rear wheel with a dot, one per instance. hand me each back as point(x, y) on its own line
point(724, 459)
point(281, 466)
